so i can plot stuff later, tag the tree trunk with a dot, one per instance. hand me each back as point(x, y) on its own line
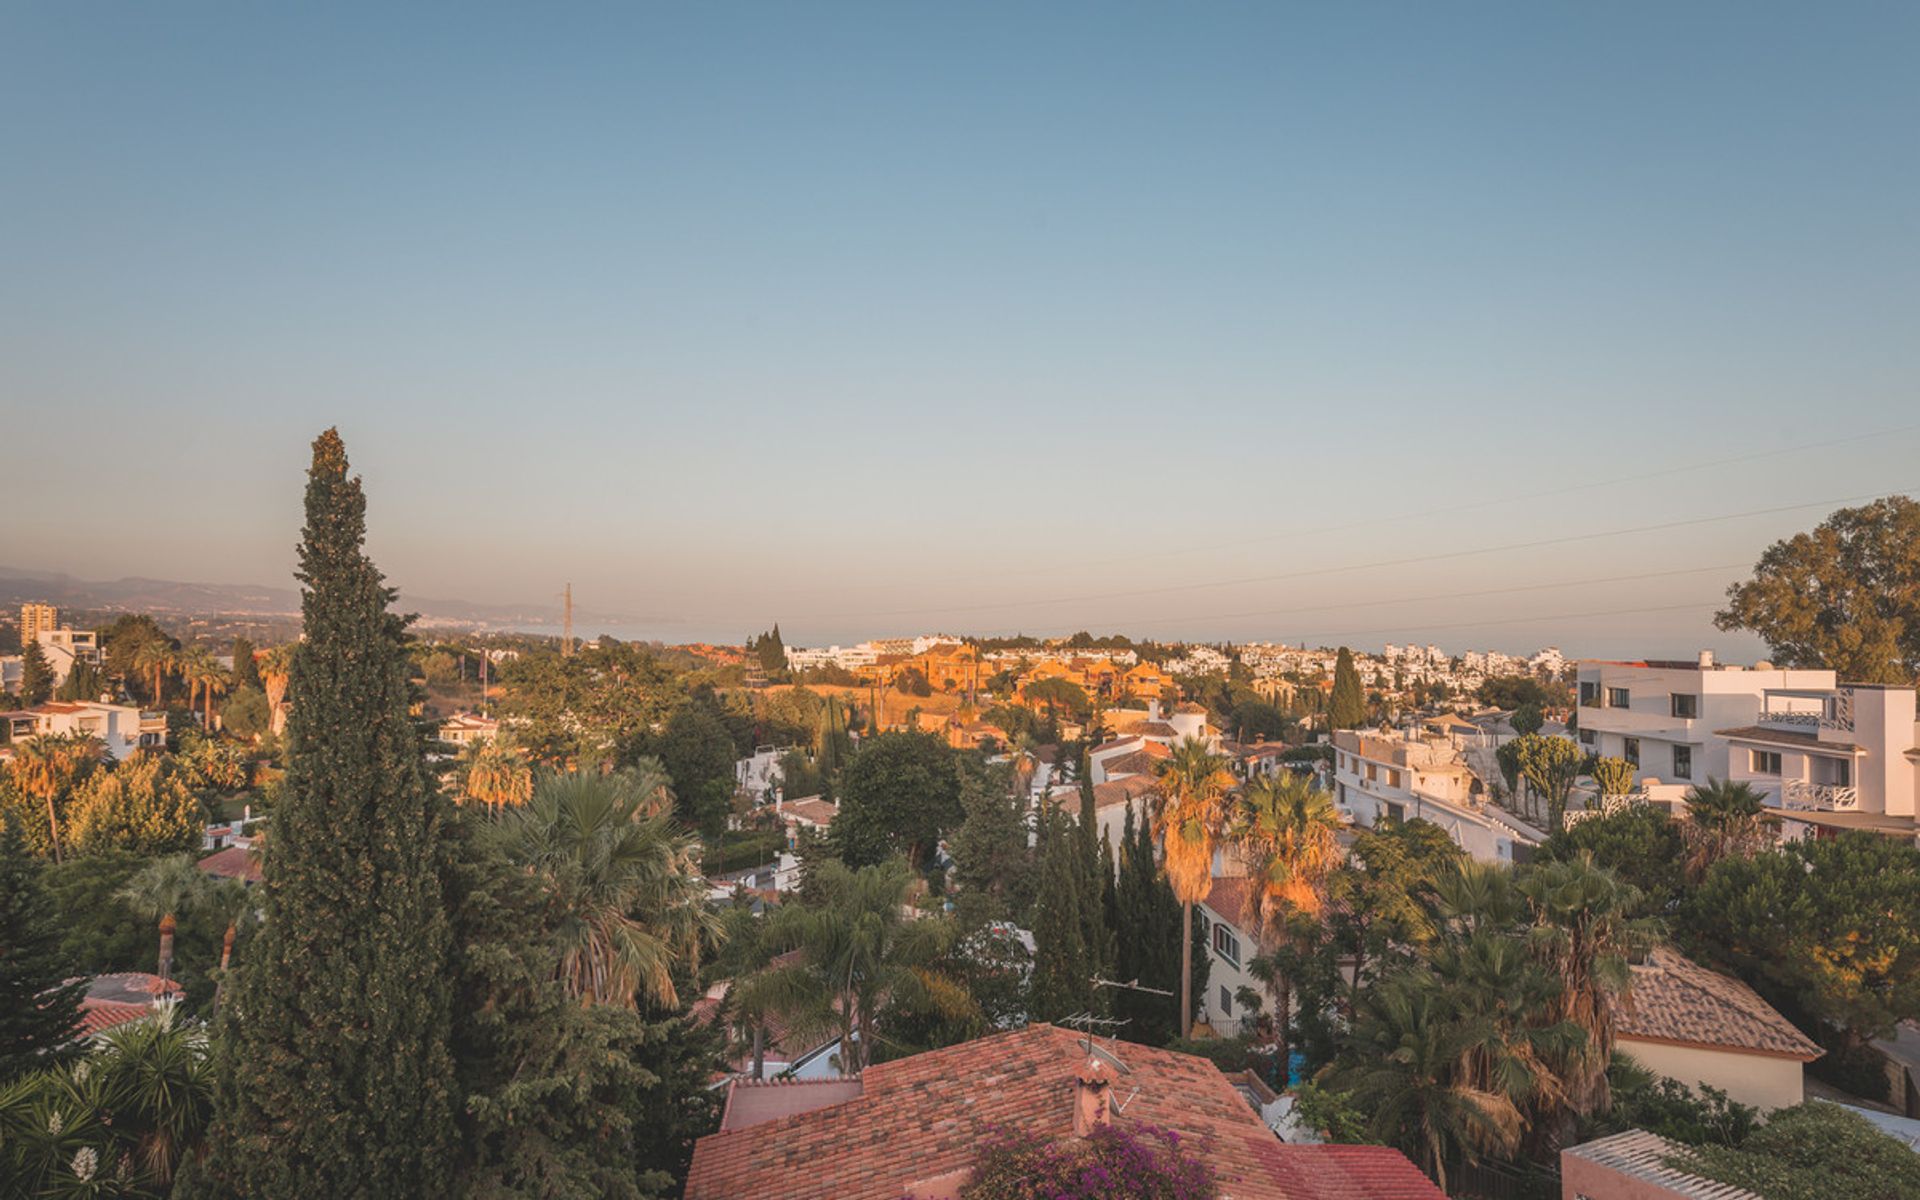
point(1186, 969)
point(759, 1051)
point(166, 946)
point(226, 956)
point(1284, 1017)
point(53, 827)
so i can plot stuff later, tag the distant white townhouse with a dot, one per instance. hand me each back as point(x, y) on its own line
point(1421, 774)
point(1832, 758)
point(1663, 717)
point(122, 728)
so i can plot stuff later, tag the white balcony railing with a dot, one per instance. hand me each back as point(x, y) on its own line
point(1819, 797)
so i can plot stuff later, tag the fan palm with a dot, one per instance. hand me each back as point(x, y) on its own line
point(1193, 787)
point(161, 891)
point(1286, 830)
point(1583, 933)
point(1726, 818)
point(623, 890)
point(50, 767)
point(276, 669)
point(493, 773)
point(1406, 1072)
point(204, 677)
point(156, 657)
point(234, 902)
point(856, 951)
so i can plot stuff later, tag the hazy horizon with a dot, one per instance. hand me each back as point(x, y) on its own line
point(1316, 324)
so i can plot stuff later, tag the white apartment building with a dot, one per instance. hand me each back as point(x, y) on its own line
point(847, 658)
point(1832, 758)
point(1416, 774)
point(122, 728)
point(1662, 717)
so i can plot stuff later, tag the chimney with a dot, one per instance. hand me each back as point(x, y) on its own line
point(1706, 660)
point(1092, 1086)
point(1153, 709)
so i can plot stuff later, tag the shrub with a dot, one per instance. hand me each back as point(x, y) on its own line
point(1141, 1162)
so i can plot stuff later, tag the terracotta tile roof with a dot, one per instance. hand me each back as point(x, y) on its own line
point(919, 1118)
point(1231, 897)
point(1139, 762)
point(811, 808)
point(1115, 744)
point(1123, 791)
point(98, 1016)
point(120, 999)
point(1156, 729)
point(751, 1102)
point(1783, 737)
point(1675, 999)
point(234, 862)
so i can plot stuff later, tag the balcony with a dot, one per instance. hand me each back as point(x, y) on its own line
point(1807, 711)
point(1797, 795)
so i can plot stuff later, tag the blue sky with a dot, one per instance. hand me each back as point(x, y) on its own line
point(889, 317)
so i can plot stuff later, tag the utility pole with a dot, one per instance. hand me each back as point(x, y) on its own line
point(566, 636)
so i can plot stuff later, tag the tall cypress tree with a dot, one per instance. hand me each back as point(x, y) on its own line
point(38, 1013)
point(36, 675)
point(1347, 706)
point(1090, 887)
point(1147, 947)
point(337, 1080)
point(1062, 974)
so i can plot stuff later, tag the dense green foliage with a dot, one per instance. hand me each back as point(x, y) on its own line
point(38, 1013)
point(1845, 596)
point(1346, 707)
point(900, 793)
point(1813, 1151)
point(336, 1075)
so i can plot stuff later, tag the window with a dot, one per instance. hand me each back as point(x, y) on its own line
point(1226, 945)
point(1685, 706)
point(1393, 779)
point(1226, 1001)
point(1764, 762)
point(1617, 697)
point(1683, 761)
point(1632, 752)
point(1586, 737)
point(1589, 694)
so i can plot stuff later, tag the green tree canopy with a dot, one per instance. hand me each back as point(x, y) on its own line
point(338, 1078)
point(38, 1010)
point(898, 796)
point(36, 675)
point(1347, 705)
point(1845, 596)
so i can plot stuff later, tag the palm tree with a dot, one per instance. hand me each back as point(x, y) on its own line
point(156, 656)
point(1020, 755)
point(1725, 819)
point(1286, 829)
point(623, 889)
point(1583, 933)
point(50, 767)
point(234, 901)
point(204, 677)
point(853, 951)
point(1405, 1071)
point(493, 773)
point(276, 669)
point(1191, 808)
point(163, 889)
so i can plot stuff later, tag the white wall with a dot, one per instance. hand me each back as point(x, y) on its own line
point(1763, 1081)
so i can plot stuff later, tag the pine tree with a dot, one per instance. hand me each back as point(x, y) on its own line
point(36, 676)
point(38, 1013)
point(1347, 707)
point(337, 1079)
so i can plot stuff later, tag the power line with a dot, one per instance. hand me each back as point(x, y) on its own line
point(1474, 595)
point(1605, 612)
point(1412, 560)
